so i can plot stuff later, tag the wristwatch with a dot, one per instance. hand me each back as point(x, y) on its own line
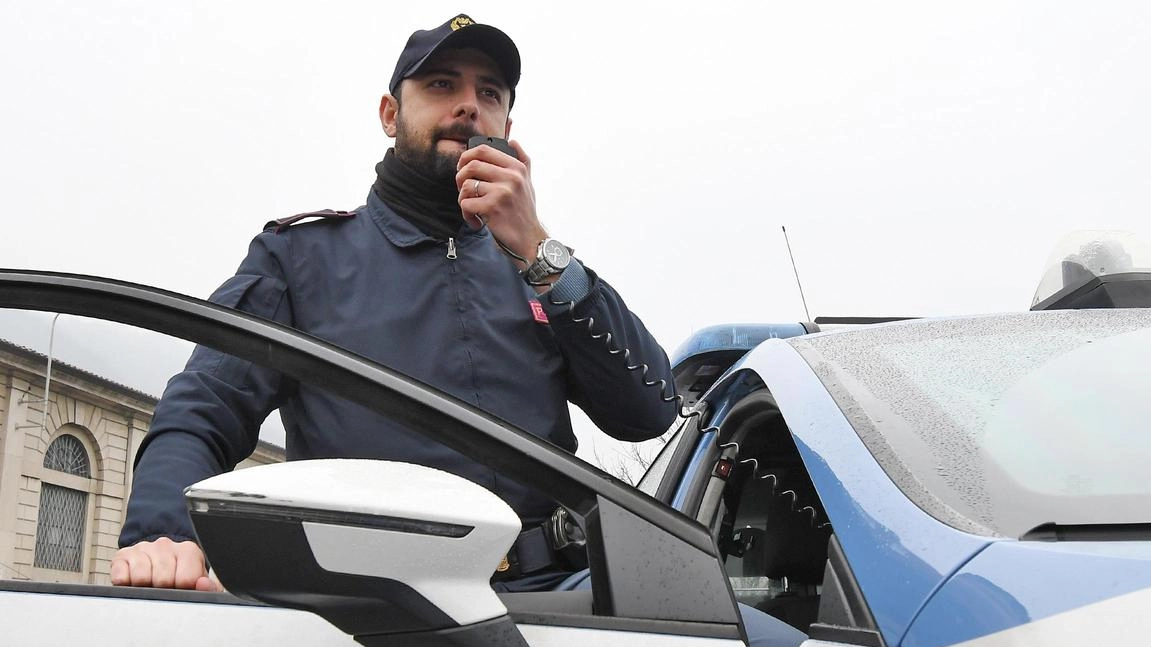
point(551, 259)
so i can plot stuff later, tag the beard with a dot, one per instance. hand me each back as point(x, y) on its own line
point(428, 160)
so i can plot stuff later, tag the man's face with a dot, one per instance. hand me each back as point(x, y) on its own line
point(456, 95)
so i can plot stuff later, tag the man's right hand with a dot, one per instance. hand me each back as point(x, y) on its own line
point(163, 564)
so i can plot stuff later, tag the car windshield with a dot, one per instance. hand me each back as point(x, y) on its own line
point(1003, 423)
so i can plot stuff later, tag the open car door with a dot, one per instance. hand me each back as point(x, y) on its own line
point(655, 573)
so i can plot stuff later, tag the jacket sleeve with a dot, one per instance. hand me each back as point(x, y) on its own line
point(606, 375)
point(209, 416)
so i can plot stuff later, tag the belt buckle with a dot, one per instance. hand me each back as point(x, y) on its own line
point(504, 565)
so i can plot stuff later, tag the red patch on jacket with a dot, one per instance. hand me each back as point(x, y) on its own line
point(538, 311)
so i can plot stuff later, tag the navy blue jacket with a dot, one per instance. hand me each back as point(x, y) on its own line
point(374, 284)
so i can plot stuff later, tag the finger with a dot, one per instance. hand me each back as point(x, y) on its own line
point(163, 560)
point(189, 565)
point(489, 155)
point(486, 205)
point(470, 209)
point(521, 154)
point(120, 573)
point(472, 192)
point(482, 171)
point(471, 155)
point(139, 567)
point(474, 220)
point(209, 582)
point(484, 187)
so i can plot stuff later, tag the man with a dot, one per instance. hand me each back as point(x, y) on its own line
point(446, 275)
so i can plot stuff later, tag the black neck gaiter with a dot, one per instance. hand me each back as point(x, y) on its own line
point(429, 205)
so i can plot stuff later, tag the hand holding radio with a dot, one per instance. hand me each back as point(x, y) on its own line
point(494, 181)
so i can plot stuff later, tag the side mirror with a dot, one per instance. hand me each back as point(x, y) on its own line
point(387, 552)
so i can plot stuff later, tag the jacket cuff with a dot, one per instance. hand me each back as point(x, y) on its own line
point(572, 285)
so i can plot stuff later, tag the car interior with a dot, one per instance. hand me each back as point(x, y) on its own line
point(775, 539)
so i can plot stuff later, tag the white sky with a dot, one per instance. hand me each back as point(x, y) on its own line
point(925, 156)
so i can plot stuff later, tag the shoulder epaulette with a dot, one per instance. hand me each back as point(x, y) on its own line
point(283, 223)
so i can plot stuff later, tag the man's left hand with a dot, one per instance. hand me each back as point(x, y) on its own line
point(497, 188)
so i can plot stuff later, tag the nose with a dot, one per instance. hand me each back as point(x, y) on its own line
point(466, 107)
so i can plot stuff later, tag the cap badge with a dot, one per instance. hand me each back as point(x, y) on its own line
point(461, 21)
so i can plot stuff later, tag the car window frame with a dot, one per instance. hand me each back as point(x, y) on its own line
point(650, 482)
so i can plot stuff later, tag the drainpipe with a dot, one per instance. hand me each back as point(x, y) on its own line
point(48, 371)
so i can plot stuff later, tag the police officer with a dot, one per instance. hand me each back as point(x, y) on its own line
point(447, 275)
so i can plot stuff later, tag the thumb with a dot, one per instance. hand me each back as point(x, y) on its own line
point(205, 583)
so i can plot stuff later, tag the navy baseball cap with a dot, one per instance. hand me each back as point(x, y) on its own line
point(459, 32)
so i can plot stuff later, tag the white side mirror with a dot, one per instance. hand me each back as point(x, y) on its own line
point(377, 548)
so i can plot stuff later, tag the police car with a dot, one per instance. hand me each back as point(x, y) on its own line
point(975, 480)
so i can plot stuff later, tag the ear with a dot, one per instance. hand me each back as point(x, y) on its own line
point(389, 112)
point(508, 129)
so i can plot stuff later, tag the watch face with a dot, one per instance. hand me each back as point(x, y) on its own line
point(555, 254)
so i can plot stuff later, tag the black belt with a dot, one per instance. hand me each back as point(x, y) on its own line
point(556, 542)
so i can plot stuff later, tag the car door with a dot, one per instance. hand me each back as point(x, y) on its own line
point(656, 574)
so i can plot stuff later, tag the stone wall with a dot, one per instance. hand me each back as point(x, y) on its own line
point(109, 421)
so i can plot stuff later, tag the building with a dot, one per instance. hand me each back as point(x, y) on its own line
point(66, 467)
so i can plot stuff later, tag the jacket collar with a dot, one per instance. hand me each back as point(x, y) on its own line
point(402, 233)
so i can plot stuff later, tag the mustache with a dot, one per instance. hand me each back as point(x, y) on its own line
point(460, 132)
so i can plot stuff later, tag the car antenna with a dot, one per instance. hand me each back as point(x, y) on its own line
point(796, 270)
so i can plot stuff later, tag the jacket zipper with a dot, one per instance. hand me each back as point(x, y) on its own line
point(452, 248)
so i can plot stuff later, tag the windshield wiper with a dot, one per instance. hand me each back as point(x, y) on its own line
point(1052, 531)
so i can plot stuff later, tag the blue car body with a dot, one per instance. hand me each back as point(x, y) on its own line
point(924, 582)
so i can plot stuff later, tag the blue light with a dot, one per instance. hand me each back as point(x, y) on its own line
point(733, 337)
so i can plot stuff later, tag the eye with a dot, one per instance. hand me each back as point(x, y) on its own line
point(440, 83)
point(491, 93)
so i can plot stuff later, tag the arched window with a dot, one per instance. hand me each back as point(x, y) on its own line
point(67, 454)
point(60, 527)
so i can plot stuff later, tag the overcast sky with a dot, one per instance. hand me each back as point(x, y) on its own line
point(925, 157)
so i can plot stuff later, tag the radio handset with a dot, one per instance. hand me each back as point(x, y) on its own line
point(497, 143)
